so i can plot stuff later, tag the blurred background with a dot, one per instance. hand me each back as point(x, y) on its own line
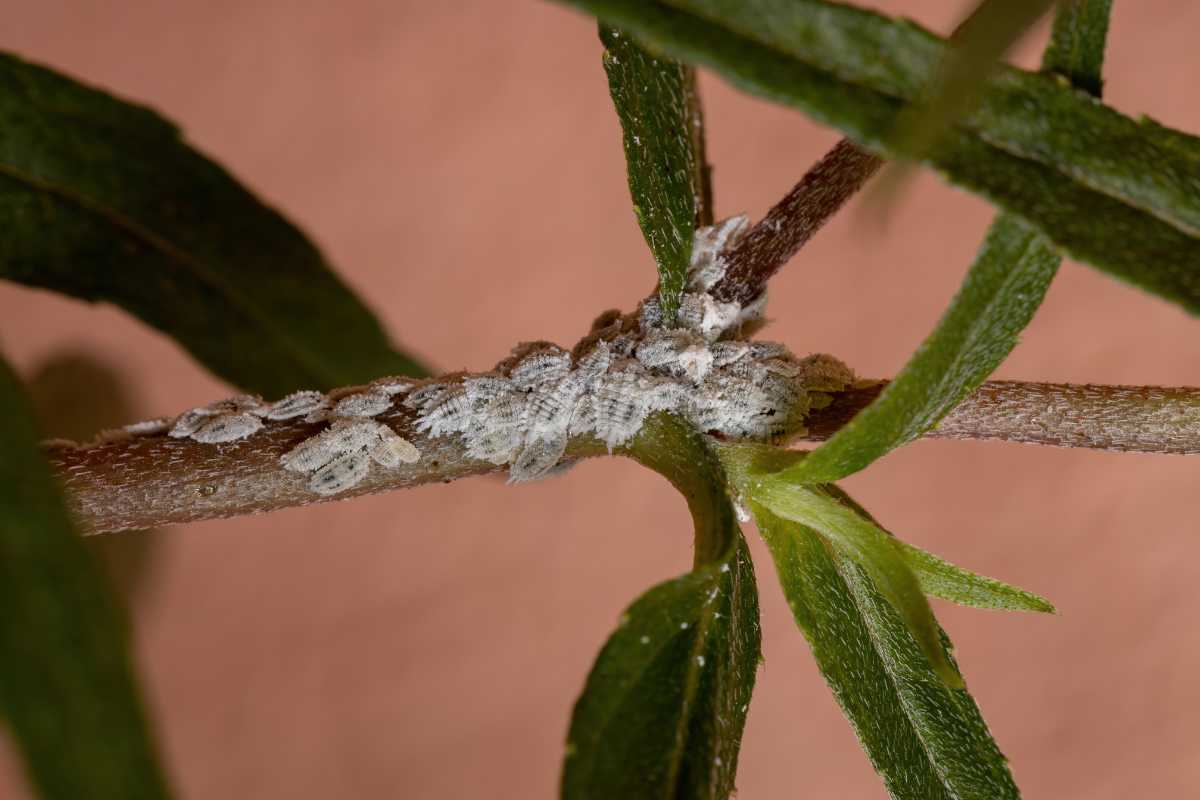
point(461, 165)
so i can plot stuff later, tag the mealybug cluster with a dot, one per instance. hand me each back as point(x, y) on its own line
point(524, 411)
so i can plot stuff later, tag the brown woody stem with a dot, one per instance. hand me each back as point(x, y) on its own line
point(142, 482)
point(1128, 419)
point(779, 235)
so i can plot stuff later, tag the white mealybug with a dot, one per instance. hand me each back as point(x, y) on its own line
point(448, 412)
point(296, 404)
point(708, 244)
point(339, 457)
point(187, 422)
point(394, 385)
point(150, 427)
point(423, 396)
point(619, 407)
point(341, 474)
point(228, 427)
point(730, 352)
point(190, 423)
point(393, 449)
point(541, 367)
point(343, 436)
point(369, 403)
point(538, 457)
point(592, 366)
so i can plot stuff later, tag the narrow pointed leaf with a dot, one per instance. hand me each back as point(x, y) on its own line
point(1108, 190)
point(665, 704)
point(67, 691)
point(659, 110)
point(926, 740)
point(102, 200)
point(998, 298)
point(942, 579)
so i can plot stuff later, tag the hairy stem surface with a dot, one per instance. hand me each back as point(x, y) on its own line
point(147, 481)
point(792, 221)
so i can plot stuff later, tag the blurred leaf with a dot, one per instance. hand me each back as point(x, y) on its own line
point(75, 395)
point(659, 109)
point(998, 298)
point(926, 740)
point(973, 52)
point(66, 685)
point(1119, 194)
point(1076, 49)
point(665, 704)
point(102, 200)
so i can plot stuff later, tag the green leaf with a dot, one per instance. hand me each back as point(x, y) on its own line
point(945, 580)
point(998, 298)
point(864, 542)
point(67, 689)
point(942, 579)
point(103, 201)
point(665, 704)
point(659, 109)
point(1076, 49)
point(926, 740)
point(1119, 194)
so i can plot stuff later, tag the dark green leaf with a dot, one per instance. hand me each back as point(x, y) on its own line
point(1002, 290)
point(1076, 48)
point(1122, 195)
point(664, 706)
point(102, 200)
point(66, 685)
point(659, 109)
point(926, 740)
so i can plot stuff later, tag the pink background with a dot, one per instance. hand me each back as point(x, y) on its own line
point(461, 165)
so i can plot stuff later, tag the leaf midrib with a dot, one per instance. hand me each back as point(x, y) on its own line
point(840, 564)
point(690, 681)
point(683, 726)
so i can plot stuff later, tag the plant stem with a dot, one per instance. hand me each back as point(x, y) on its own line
point(786, 228)
point(1127, 419)
point(147, 481)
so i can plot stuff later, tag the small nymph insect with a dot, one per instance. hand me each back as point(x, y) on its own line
point(339, 457)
